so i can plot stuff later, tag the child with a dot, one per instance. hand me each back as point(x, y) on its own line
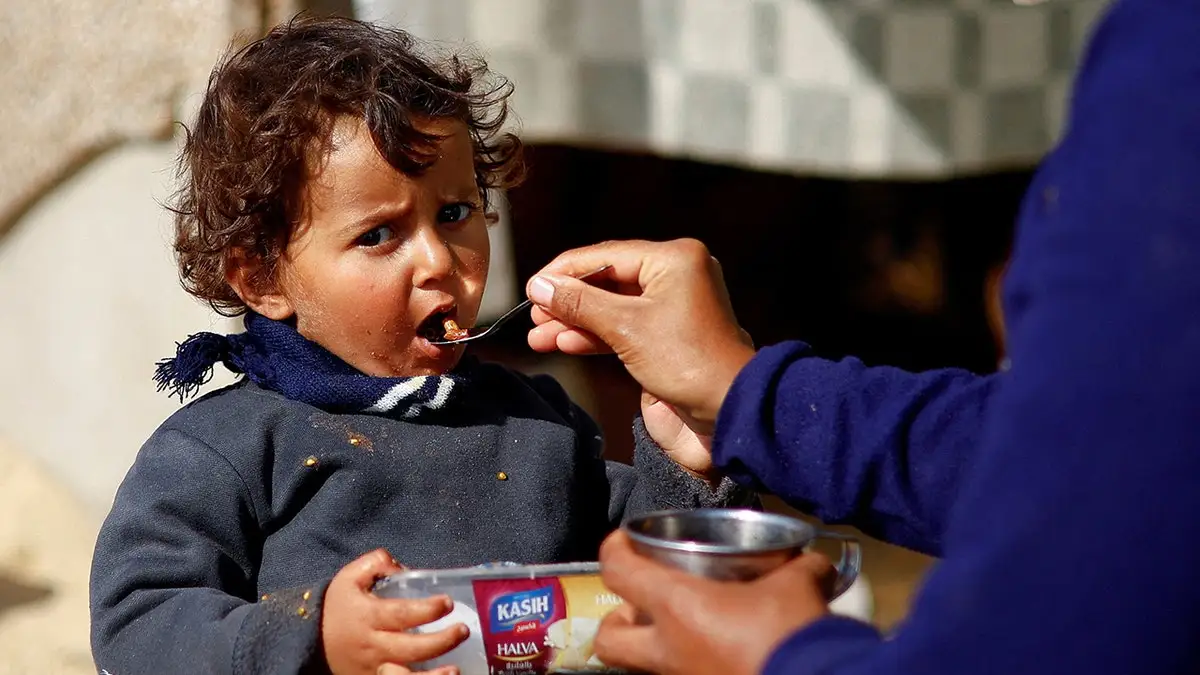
point(336, 194)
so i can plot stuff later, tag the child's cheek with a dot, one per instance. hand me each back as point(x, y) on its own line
point(476, 252)
point(381, 305)
point(477, 262)
point(476, 275)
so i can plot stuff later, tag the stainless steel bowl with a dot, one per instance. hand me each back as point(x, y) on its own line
point(733, 544)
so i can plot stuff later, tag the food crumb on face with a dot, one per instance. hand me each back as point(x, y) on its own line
point(453, 332)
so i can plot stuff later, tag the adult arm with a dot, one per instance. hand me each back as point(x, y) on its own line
point(1069, 550)
point(877, 447)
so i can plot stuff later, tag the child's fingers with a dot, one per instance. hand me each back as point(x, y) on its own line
point(402, 615)
point(414, 647)
point(371, 567)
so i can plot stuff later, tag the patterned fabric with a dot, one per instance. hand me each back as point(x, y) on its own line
point(918, 88)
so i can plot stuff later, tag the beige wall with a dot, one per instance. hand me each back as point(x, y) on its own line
point(87, 278)
point(81, 76)
point(88, 89)
point(87, 303)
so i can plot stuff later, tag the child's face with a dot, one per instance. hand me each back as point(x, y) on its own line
point(380, 257)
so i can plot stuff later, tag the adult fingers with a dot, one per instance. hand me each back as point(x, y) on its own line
point(810, 569)
point(639, 581)
point(397, 669)
point(578, 304)
point(554, 335)
point(623, 643)
point(624, 260)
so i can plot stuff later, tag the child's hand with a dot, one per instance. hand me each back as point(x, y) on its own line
point(363, 633)
point(684, 446)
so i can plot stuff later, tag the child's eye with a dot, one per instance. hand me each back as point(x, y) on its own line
point(376, 236)
point(456, 213)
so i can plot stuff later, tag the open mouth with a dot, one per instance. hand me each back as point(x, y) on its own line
point(434, 326)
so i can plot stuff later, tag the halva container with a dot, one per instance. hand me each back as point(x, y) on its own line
point(535, 619)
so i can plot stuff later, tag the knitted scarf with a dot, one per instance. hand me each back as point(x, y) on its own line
point(274, 355)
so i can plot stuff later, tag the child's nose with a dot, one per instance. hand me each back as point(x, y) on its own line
point(432, 258)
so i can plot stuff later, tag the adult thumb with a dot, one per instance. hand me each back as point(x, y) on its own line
point(810, 569)
point(579, 304)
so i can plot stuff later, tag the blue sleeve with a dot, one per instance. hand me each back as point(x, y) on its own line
point(878, 447)
point(1071, 548)
point(173, 584)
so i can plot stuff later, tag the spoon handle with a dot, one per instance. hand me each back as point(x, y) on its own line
point(529, 303)
point(510, 314)
point(506, 316)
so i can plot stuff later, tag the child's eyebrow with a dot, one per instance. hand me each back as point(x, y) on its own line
point(460, 195)
point(380, 214)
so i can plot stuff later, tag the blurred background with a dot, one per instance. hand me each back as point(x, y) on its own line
point(856, 165)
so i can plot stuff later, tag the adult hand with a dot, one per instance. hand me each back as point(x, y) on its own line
point(702, 627)
point(666, 315)
point(366, 634)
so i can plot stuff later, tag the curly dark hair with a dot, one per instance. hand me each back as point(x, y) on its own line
point(270, 103)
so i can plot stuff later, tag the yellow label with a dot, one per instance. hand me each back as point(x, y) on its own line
point(588, 602)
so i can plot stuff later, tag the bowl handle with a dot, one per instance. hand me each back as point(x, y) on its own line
point(849, 565)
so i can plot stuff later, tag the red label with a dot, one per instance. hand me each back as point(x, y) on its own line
point(514, 615)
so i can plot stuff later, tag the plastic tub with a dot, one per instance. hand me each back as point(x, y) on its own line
point(535, 619)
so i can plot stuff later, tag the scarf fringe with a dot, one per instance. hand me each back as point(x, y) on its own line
point(191, 368)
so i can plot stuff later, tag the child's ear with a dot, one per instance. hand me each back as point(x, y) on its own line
point(260, 292)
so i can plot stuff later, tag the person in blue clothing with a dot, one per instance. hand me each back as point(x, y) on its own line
point(1062, 495)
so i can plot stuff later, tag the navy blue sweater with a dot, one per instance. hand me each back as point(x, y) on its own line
point(242, 506)
point(1063, 494)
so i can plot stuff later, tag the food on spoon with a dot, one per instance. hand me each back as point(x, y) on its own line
point(453, 332)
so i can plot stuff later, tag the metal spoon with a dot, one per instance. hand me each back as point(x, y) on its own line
point(477, 332)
